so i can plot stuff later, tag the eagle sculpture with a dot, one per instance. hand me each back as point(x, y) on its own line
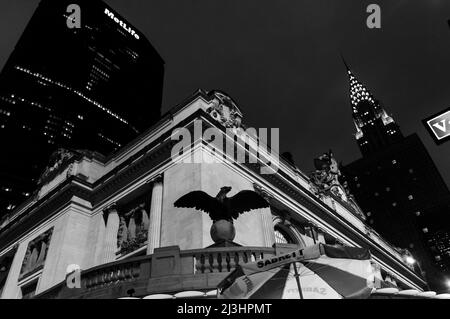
point(222, 207)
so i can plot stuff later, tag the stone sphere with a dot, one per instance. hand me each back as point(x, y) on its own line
point(222, 230)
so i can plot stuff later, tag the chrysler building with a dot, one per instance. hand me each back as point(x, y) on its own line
point(375, 129)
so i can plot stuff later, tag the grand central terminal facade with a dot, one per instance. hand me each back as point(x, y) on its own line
point(112, 220)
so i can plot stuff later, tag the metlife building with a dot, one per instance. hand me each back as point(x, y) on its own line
point(92, 84)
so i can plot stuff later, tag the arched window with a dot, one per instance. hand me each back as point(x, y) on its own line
point(286, 232)
point(282, 236)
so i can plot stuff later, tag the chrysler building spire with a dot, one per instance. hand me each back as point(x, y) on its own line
point(358, 92)
point(375, 129)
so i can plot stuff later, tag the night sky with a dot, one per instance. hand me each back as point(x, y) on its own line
point(279, 60)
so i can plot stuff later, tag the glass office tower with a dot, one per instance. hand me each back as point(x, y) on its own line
point(91, 87)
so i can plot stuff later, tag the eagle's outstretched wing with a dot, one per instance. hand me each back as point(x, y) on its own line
point(244, 201)
point(201, 201)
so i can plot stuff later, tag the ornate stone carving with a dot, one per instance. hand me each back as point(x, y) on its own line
point(225, 110)
point(36, 253)
point(327, 179)
point(133, 229)
point(326, 176)
point(57, 159)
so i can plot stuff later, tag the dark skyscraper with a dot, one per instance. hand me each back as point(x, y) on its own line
point(94, 87)
point(398, 185)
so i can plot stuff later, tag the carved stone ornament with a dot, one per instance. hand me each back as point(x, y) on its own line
point(36, 253)
point(225, 110)
point(57, 159)
point(133, 228)
point(326, 179)
point(326, 176)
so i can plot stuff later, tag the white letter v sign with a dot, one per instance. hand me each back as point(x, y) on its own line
point(442, 127)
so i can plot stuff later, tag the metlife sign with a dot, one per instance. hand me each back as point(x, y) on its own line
point(121, 23)
point(439, 126)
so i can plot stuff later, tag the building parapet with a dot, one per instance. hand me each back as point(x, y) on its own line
point(167, 270)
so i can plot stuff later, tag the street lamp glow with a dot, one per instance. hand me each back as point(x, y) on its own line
point(410, 260)
point(448, 283)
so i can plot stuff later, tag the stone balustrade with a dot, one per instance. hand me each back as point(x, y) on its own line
point(219, 260)
point(113, 273)
point(168, 270)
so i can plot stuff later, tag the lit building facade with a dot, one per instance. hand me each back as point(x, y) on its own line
point(397, 184)
point(114, 217)
point(60, 82)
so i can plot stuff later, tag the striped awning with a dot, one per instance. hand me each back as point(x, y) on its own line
point(319, 271)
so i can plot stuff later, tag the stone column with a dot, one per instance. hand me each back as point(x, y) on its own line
point(154, 228)
point(265, 215)
point(112, 228)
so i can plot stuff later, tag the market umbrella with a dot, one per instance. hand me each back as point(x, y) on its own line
point(318, 271)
